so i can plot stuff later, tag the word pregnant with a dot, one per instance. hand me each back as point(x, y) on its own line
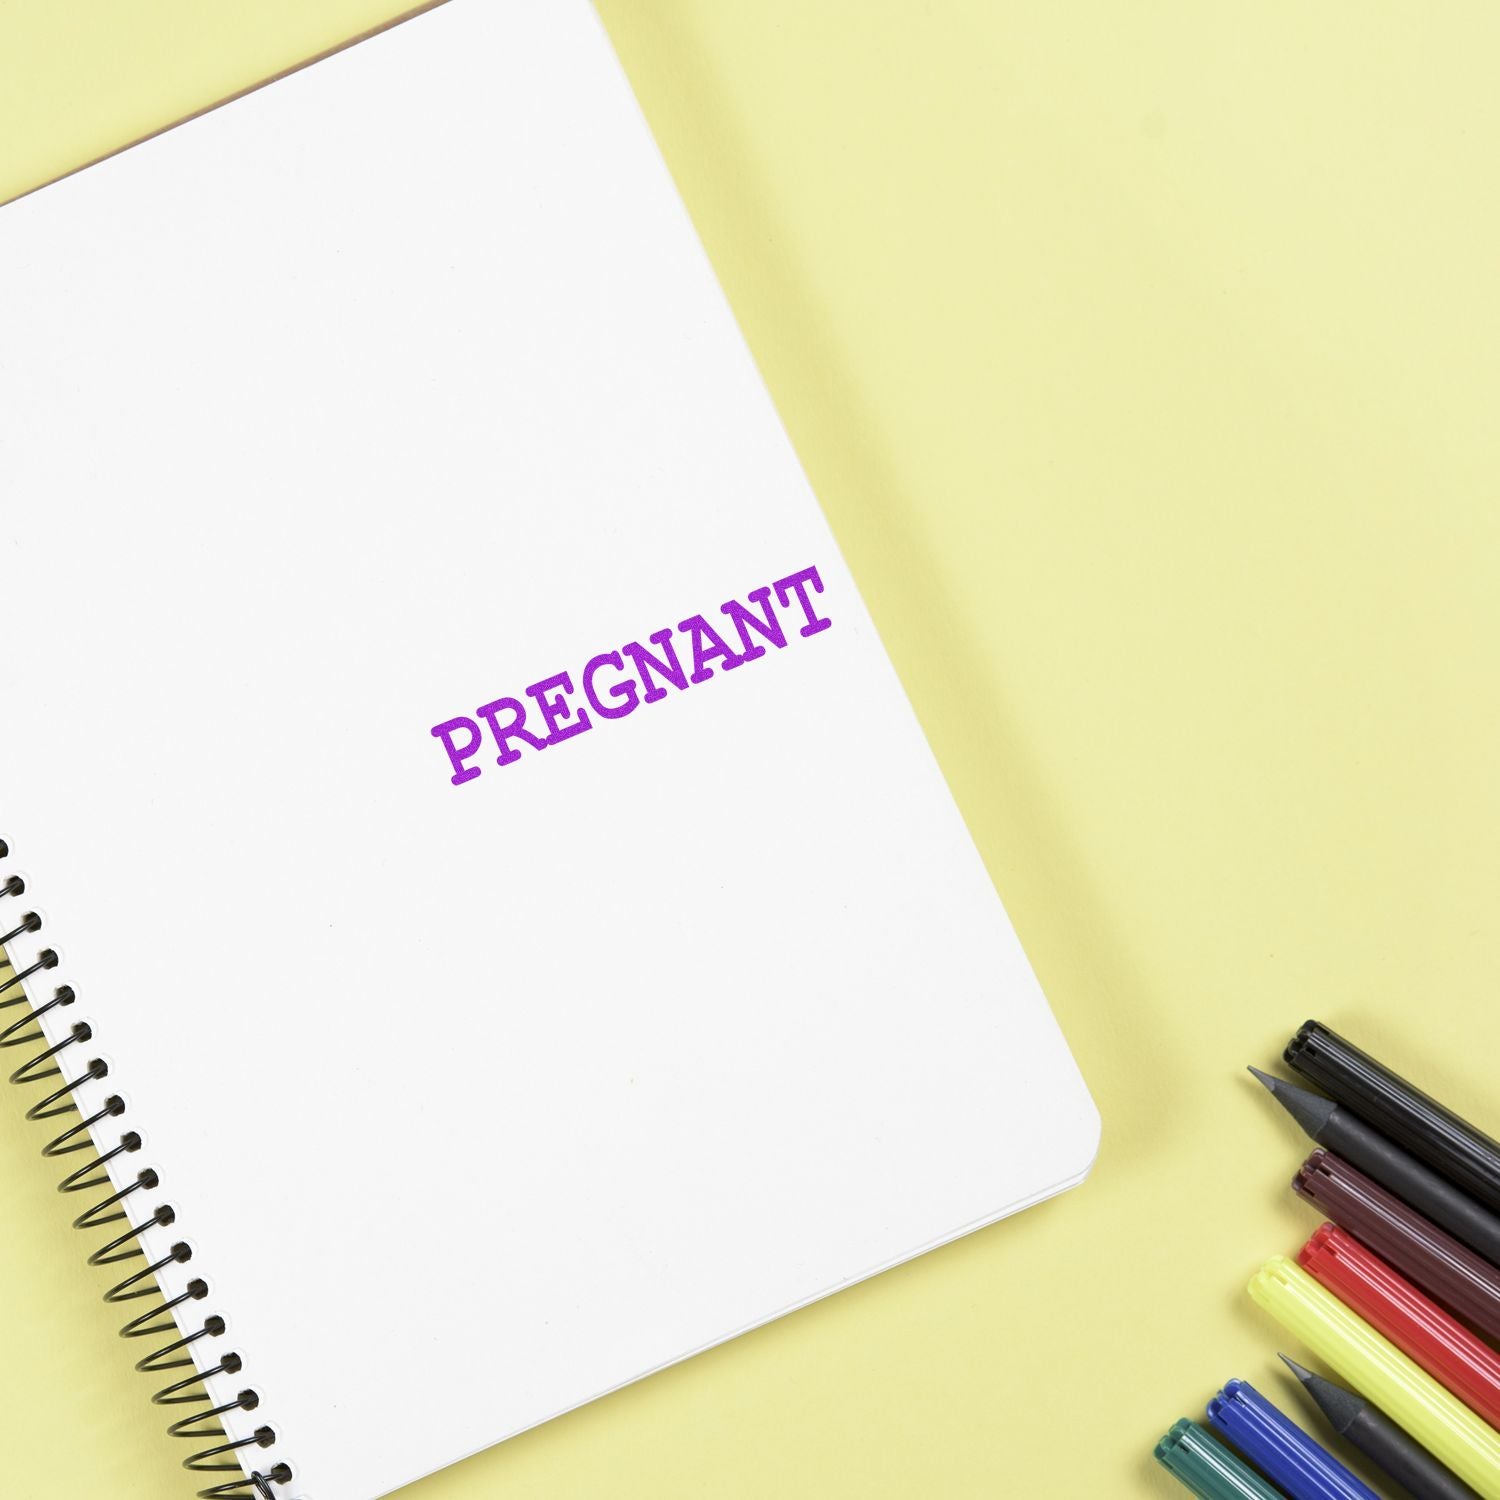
point(616, 683)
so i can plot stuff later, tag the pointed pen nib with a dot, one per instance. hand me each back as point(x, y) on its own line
point(1341, 1407)
point(1311, 1111)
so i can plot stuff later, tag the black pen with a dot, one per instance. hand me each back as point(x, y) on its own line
point(1466, 1156)
point(1398, 1171)
point(1364, 1427)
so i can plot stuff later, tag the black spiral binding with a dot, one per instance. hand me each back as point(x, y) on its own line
point(220, 1458)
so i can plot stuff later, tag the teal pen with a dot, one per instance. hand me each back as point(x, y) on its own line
point(1208, 1468)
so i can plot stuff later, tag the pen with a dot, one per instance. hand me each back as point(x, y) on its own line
point(1344, 1133)
point(1380, 1440)
point(1463, 1154)
point(1407, 1394)
point(1450, 1273)
point(1207, 1467)
point(1286, 1455)
point(1418, 1327)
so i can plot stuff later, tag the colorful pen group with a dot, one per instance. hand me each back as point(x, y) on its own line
point(1397, 1293)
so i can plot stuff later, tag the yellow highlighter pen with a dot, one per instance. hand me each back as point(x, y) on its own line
point(1405, 1392)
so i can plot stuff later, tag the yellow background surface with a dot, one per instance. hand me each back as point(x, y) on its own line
point(1145, 359)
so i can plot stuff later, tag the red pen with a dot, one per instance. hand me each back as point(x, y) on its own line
point(1457, 1279)
point(1412, 1322)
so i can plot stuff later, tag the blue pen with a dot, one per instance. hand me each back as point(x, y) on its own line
point(1280, 1449)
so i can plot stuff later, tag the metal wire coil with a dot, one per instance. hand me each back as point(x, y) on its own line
point(225, 1460)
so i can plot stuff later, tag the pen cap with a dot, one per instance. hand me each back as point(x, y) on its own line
point(1207, 1468)
point(1280, 1449)
point(1407, 1394)
point(1340, 1130)
point(1428, 1129)
point(1414, 1323)
point(1463, 1282)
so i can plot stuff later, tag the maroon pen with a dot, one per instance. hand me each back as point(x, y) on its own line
point(1452, 1274)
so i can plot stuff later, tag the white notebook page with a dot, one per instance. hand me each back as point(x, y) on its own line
point(352, 409)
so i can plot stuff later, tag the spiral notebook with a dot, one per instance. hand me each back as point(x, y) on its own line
point(477, 872)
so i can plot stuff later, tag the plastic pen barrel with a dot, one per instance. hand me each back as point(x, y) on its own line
point(1405, 1392)
point(1281, 1450)
point(1416, 1325)
point(1406, 1463)
point(1398, 1171)
point(1208, 1468)
point(1463, 1154)
point(1450, 1273)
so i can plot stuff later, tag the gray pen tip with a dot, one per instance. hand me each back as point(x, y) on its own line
point(1311, 1111)
point(1342, 1408)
